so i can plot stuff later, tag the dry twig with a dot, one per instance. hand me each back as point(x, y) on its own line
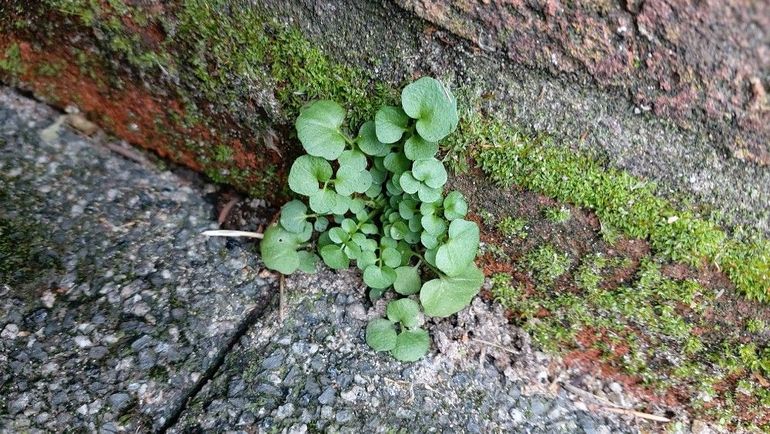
point(226, 210)
point(227, 233)
point(635, 413)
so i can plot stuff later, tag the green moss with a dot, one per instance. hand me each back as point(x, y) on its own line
point(223, 154)
point(496, 251)
point(512, 227)
point(546, 264)
point(51, 69)
point(557, 215)
point(625, 203)
point(11, 62)
point(755, 325)
point(643, 319)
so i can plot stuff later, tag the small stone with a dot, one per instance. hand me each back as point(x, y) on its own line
point(700, 427)
point(18, 405)
point(326, 412)
point(616, 387)
point(274, 361)
point(517, 416)
point(357, 311)
point(83, 342)
point(327, 397)
point(284, 411)
point(97, 353)
point(538, 407)
point(48, 299)
point(118, 401)
point(343, 416)
point(351, 395)
point(10, 331)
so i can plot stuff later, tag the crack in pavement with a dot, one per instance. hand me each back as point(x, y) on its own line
point(253, 316)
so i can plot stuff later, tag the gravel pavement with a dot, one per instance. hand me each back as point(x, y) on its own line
point(120, 311)
point(129, 305)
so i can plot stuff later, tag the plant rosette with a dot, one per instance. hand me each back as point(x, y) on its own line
point(376, 200)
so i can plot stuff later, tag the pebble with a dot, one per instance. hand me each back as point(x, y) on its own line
point(83, 341)
point(10, 331)
point(119, 400)
point(284, 411)
point(327, 397)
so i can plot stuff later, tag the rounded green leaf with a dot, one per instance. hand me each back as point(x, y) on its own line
point(321, 223)
point(454, 256)
point(430, 171)
point(352, 250)
point(367, 141)
point(369, 228)
point(455, 206)
point(324, 201)
point(381, 334)
point(353, 159)
point(448, 295)
point(428, 194)
point(390, 124)
point(379, 277)
point(307, 261)
point(408, 183)
point(417, 148)
point(434, 107)
point(307, 172)
point(405, 311)
point(411, 345)
point(378, 175)
point(349, 226)
point(334, 257)
point(429, 240)
point(340, 205)
point(366, 259)
point(357, 205)
point(391, 257)
point(293, 216)
point(318, 128)
point(338, 235)
point(279, 249)
point(306, 233)
point(350, 180)
point(393, 187)
point(427, 208)
point(374, 191)
point(399, 230)
point(414, 223)
point(396, 162)
point(407, 207)
point(407, 280)
point(433, 224)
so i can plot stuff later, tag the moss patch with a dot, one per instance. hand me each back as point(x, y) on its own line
point(621, 201)
point(659, 333)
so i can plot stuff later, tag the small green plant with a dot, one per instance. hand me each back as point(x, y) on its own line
point(755, 325)
point(557, 214)
point(496, 251)
point(547, 264)
point(511, 227)
point(377, 200)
